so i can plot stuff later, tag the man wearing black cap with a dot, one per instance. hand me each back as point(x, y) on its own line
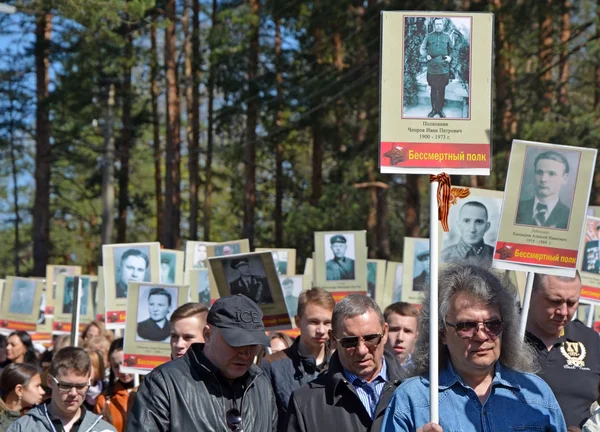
point(591, 255)
point(252, 286)
point(340, 267)
point(215, 386)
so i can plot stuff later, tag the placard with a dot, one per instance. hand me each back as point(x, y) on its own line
point(254, 276)
point(124, 263)
point(171, 266)
point(284, 259)
point(590, 261)
point(542, 222)
point(394, 278)
point(200, 289)
point(147, 333)
point(376, 269)
point(292, 287)
point(63, 313)
point(415, 280)
point(309, 273)
point(341, 262)
point(21, 299)
point(196, 254)
point(436, 92)
point(99, 297)
point(52, 272)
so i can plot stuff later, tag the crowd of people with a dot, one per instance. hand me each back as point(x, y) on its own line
point(353, 367)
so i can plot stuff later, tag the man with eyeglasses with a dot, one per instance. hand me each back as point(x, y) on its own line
point(215, 386)
point(484, 382)
point(69, 380)
point(354, 391)
point(567, 351)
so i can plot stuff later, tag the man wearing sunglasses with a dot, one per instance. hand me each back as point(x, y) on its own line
point(484, 382)
point(354, 391)
point(215, 386)
point(568, 352)
point(69, 380)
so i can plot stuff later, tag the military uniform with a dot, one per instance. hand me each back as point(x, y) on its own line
point(591, 258)
point(480, 254)
point(438, 46)
point(340, 269)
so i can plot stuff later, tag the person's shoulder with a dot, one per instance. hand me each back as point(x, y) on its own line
point(276, 357)
point(526, 202)
point(532, 386)
point(412, 392)
point(95, 423)
point(578, 330)
point(449, 251)
point(488, 249)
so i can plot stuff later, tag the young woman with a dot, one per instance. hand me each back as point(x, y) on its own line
point(21, 388)
point(97, 380)
point(19, 348)
point(112, 404)
point(93, 329)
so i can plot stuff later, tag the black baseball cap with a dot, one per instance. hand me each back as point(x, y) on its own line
point(240, 321)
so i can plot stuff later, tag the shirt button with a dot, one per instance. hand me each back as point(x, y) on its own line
point(484, 412)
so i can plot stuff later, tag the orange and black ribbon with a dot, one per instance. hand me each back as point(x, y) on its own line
point(443, 197)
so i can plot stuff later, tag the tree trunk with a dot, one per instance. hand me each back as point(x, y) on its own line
point(251, 123)
point(155, 94)
point(317, 134)
point(43, 149)
point(565, 35)
point(545, 54)
point(108, 167)
point(597, 71)
point(210, 137)
point(372, 219)
point(383, 225)
point(412, 218)
point(173, 157)
point(15, 174)
point(126, 145)
point(278, 214)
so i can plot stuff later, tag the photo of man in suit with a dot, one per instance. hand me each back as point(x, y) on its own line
point(68, 296)
point(591, 254)
point(421, 281)
point(340, 267)
point(157, 327)
point(252, 286)
point(21, 298)
point(132, 267)
point(545, 209)
point(166, 265)
point(472, 224)
point(291, 300)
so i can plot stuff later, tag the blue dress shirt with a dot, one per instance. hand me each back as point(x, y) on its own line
point(369, 392)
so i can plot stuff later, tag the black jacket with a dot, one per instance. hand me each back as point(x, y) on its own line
point(330, 403)
point(288, 371)
point(186, 395)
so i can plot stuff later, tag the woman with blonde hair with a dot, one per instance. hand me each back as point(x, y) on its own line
point(97, 383)
point(96, 328)
point(20, 388)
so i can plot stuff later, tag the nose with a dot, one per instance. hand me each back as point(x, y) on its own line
point(361, 348)
point(180, 343)
point(562, 309)
point(73, 391)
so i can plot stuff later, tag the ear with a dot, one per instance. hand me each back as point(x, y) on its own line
point(332, 339)
point(443, 337)
point(49, 381)
point(207, 333)
point(487, 226)
point(297, 321)
point(19, 390)
point(386, 328)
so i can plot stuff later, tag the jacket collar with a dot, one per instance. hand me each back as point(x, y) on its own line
point(502, 377)
point(293, 352)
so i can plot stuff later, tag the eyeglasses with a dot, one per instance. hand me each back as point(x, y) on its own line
point(66, 387)
point(234, 420)
point(468, 329)
point(370, 340)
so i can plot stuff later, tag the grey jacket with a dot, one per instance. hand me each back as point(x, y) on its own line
point(38, 420)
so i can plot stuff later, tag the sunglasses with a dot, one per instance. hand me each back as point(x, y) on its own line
point(468, 329)
point(234, 420)
point(370, 340)
point(66, 387)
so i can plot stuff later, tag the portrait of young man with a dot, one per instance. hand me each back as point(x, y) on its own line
point(340, 266)
point(132, 266)
point(159, 304)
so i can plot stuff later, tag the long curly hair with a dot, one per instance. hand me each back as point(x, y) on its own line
point(487, 288)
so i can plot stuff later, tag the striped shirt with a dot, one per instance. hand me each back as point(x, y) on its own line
point(369, 392)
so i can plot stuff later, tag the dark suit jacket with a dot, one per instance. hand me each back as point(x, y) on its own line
point(257, 290)
point(149, 330)
point(559, 218)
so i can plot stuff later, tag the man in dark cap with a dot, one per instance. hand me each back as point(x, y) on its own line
point(252, 286)
point(215, 386)
point(340, 267)
point(591, 254)
point(421, 281)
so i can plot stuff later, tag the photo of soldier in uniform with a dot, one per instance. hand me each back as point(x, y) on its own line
point(22, 296)
point(131, 264)
point(228, 249)
point(547, 187)
point(437, 67)
point(69, 292)
point(339, 256)
point(167, 267)
point(292, 287)
point(155, 305)
point(203, 287)
point(247, 276)
point(421, 265)
point(471, 223)
point(397, 292)
point(591, 252)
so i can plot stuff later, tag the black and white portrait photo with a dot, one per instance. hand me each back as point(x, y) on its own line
point(421, 265)
point(69, 292)
point(155, 306)
point(397, 289)
point(22, 296)
point(371, 279)
point(247, 276)
point(203, 286)
point(131, 264)
point(228, 249)
point(199, 255)
point(473, 230)
point(280, 259)
point(547, 187)
point(437, 67)
point(340, 254)
point(167, 267)
point(292, 287)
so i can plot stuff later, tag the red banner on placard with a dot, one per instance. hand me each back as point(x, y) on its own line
point(38, 337)
point(532, 254)
point(148, 362)
point(49, 310)
point(17, 325)
point(434, 155)
point(65, 326)
point(276, 320)
point(338, 295)
point(115, 317)
point(590, 293)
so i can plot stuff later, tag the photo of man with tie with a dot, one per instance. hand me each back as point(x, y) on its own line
point(546, 209)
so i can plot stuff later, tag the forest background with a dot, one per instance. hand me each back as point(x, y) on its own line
point(173, 120)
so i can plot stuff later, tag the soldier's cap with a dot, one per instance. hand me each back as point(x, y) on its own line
point(165, 260)
point(423, 255)
point(239, 320)
point(338, 238)
point(238, 262)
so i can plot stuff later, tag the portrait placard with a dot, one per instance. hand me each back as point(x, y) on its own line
point(227, 248)
point(415, 279)
point(542, 224)
point(292, 287)
point(596, 319)
point(63, 313)
point(200, 289)
point(593, 211)
point(284, 259)
point(376, 279)
point(309, 273)
point(590, 261)
point(394, 278)
point(148, 330)
point(171, 266)
point(43, 328)
point(21, 299)
point(341, 262)
point(99, 297)
point(436, 92)
point(254, 276)
point(52, 272)
point(196, 254)
point(123, 263)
